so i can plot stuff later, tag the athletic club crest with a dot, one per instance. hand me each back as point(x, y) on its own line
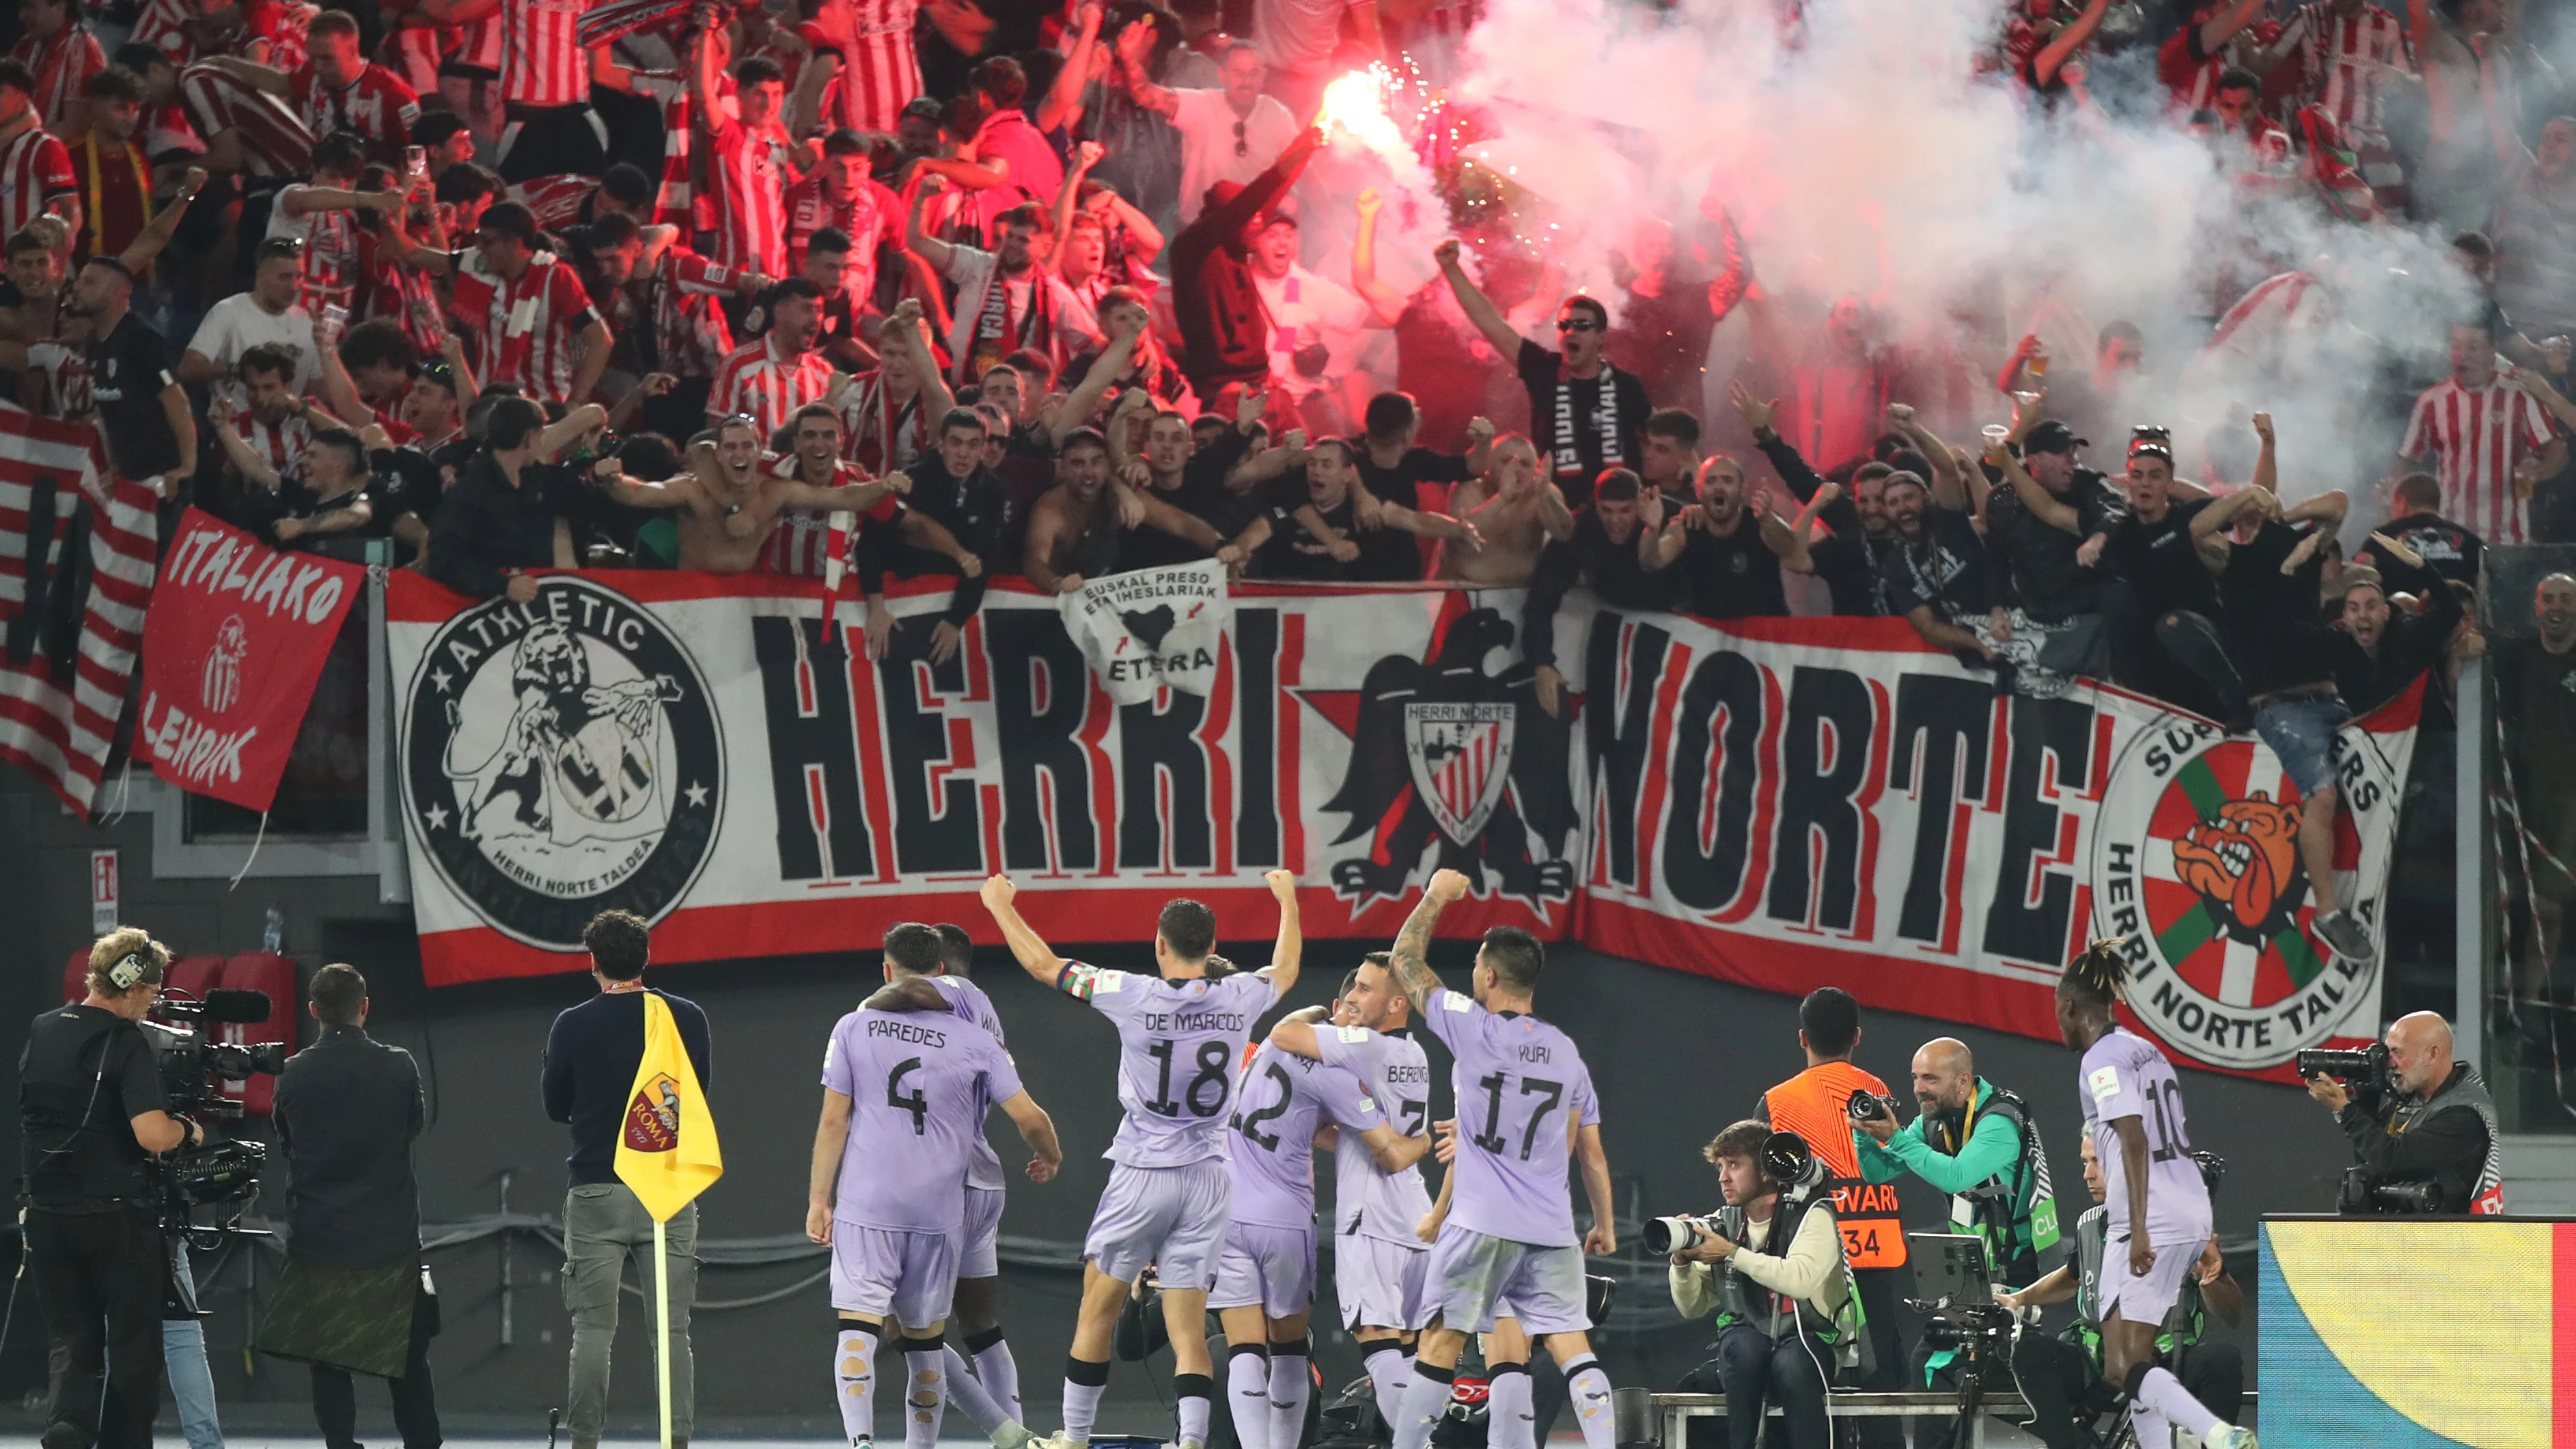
point(2196, 862)
point(653, 1116)
point(563, 758)
point(219, 684)
point(1453, 764)
point(1461, 756)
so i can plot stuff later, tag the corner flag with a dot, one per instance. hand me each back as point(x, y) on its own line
point(666, 1147)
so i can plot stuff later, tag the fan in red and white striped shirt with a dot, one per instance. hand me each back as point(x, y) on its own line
point(62, 53)
point(661, 301)
point(276, 145)
point(2351, 55)
point(272, 420)
point(339, 89)
point(35, 169)
point(840, 193)
point(748, 163)
point(542, 62)
point(773, 377)
point(879, 69)
point(803, 544)
point(2481, 425)
point(531, 321)
point(322, 215)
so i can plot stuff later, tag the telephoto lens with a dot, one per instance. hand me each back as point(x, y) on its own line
point(1666, 1236)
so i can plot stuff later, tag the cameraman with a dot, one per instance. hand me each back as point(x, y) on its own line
point(1783, 1304)
point(90, 1113)
point(2061, 1377)
point(354, 1295)
point(2434, 1122)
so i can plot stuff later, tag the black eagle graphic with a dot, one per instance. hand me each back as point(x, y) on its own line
point(1150, 626)
point(1539, 799)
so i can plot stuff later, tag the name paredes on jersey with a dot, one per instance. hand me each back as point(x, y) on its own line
point(906, 1031)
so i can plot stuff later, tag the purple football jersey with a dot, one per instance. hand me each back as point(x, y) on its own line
point(1367, 1201)
point(1178, 1042)
point(919, 1084)
point(983, 1164)
point(2125, 1076)
point(1286, 1097)
point(1516, 1079)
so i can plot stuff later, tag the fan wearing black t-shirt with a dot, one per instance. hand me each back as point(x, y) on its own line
point(2174, 586)
point(2416, 521)
point(1612, 550)
point(1936, 578)
point(1729, 549)
point(1315, 532)
point(2269, 594)
point(1584, 413)
point(1393, 469)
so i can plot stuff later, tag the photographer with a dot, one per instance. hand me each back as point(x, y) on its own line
point(2425, 1118)
point(1784, 1298)
point(1974, 1141)
point(353, 1296)
point(90, 1113)
point(2061, 1377)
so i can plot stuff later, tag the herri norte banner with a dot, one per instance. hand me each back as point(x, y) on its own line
point(1783, 803)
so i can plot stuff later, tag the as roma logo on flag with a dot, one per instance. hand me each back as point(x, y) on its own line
point(2196, 862)
point(653, 1116)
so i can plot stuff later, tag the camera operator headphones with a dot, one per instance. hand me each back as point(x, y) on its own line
point(129, 969)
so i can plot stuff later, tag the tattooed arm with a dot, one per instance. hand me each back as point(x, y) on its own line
point(1413, 945)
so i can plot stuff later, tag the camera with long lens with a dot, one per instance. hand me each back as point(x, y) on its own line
point(222, 1175)
point(2365, 1072)
point(2367, 1194)
point(1868, 1106)
point(1667, 1236)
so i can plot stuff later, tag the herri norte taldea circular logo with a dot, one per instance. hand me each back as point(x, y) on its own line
point(2196, 860)
point(562, 759)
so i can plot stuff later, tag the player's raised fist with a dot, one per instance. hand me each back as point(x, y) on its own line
point(1446, 886)
point(998, 892)
point(1283, 884)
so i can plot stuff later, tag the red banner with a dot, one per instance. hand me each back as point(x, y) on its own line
point(232, 647)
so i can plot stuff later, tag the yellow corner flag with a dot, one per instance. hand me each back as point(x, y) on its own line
point(666, 1148)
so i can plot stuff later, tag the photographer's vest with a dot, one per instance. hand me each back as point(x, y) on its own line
point(1997, 1209)
point(78, 1148)
point(1816, 1104)
point(1742, 1300)
point(2184, 1322)
point(2466, 1093)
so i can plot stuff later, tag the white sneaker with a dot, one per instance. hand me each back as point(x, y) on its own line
point(1189, 1444)
point(2229, 1436)
point(1013, 1436)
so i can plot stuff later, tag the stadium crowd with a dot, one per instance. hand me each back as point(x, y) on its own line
point(988, 289)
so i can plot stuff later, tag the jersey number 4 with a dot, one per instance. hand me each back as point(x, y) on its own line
point(913, 1102)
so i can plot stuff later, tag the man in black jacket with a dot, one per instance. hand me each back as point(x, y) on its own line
point(509, 511)
point(1225, 329)
point(2434, 1124)
point(348, 1109)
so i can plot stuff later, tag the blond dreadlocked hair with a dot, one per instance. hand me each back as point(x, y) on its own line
point(2098, 974)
